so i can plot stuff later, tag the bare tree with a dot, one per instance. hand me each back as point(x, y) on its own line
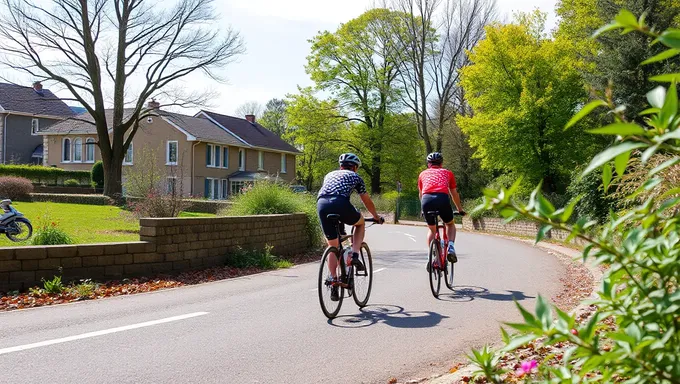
point(440, 32)
point(249, 108)
point(116, 52)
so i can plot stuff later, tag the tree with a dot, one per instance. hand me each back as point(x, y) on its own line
point(315, 128)
point(249, 108)
point(523, 88)
point(439, 33)
point(274, 116)
point(615, 57)
point(116, 52)
point(359, 65)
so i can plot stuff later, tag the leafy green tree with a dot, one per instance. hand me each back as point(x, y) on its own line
point(616, 57)
point(359, 65)
point(523, 88)
point(274, 116)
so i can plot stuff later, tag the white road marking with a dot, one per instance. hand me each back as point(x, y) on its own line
point(379, 270)
point(412, 237)
point(100, 333)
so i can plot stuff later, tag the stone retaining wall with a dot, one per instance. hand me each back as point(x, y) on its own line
point(515, 227)
point(167, 246)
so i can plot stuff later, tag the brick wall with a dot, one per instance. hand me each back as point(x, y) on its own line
point(516, 227)
point(167, 246)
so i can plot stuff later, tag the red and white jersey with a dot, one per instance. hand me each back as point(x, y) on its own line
point(436, 180)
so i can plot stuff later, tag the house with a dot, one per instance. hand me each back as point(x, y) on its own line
point(206, 155)
point(24, 111)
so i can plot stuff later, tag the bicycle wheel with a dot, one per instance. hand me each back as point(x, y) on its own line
point(329, 307)
point(449, 274)
point(435, 272)
point(20, 230)
point(363, 281)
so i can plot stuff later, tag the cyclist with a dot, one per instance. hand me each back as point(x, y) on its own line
point(333, 198)
point(435, 184)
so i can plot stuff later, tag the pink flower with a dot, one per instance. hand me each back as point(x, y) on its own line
point(526, 368)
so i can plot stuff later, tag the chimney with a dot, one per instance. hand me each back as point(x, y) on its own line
point(153, 104)
point(251, 118)
point(38, 88)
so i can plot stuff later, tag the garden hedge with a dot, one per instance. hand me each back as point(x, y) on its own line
point(48, 175)
point(72, 199)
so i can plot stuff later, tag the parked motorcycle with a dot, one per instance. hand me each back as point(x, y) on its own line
point(13, 223)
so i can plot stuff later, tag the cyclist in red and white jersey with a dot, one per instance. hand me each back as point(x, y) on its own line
point(435, 184)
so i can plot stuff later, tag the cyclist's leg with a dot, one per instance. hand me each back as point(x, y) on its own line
point(353, 217)
point(428, 205)
point(446, 212)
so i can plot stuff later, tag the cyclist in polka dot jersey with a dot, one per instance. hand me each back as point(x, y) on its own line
point(435, 184)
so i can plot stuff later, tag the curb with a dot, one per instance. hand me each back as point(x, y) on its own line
point(550, 248)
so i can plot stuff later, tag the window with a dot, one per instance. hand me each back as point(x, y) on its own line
point(216, 189)
point(284, 165)
point(225, 157)
point(129, 155)
point(237, 187)
point(171, 155)
point(66, 151)
point(260, 160)
point(212, 188)
point(209, 155)
point(218, 152)
point(225, 190)
point(35, 127)
point(78, 150)
point(241, 160)
point(172, 185)
point(89, 150)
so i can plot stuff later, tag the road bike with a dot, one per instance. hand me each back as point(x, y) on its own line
point(438, 266)
point(348, 280)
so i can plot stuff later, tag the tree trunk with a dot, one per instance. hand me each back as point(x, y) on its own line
point(375, 175)
point(113, 172)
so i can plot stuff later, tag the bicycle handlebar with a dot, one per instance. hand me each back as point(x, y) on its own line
point(372, 220)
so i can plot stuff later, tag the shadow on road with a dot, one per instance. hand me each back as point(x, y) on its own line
point(470, 292)
point(391, 315)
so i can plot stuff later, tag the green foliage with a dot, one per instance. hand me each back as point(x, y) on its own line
point(274, 117)
point(85, 289)
point(523, 88)
point(15, 188)
point(40, 174)
point(97, 174)
point(49, 233)
point(267, 198)
point(53, 286)
point(255, 258)
point(71, 183)
point(594, 204)
point(641, 247)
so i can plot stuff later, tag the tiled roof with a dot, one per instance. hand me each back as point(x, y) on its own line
point(15, 98)
point(252, 133)
point(82, 124)
point(201, 129)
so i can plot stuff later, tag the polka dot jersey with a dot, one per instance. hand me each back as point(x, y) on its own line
point(342, 183)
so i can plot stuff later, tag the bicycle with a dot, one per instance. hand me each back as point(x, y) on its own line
point(437, 258)
point(358, 284)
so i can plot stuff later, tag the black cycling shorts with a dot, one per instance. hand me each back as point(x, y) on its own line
point(335, 205)
point(439, 202)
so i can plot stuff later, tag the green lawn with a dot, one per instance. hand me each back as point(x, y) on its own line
point(85, 223)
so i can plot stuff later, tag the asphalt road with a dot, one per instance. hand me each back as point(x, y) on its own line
point(268, 328)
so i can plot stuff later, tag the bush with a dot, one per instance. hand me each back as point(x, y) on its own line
point(53, 286)
point(634, 334)
point(49, 233)
point(72, 198)
point(158, 205)
point(263, 259)
point(97, 174)
point(267, 198)
point(594, 203)
point(15, 188)
point(72, 183)
point(39, 174)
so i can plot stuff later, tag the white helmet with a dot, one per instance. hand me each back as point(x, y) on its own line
point(349, 158)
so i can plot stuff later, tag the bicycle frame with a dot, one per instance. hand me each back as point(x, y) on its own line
point(344, 281)
point(442, 250)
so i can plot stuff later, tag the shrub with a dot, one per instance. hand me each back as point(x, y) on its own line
point(97, 174)
point(49, 233)
point(71, 183)
point(254, 258)
point(43, 175)
point(158, 205)
point(265, 198)
point(594, 204)
point(53, 286)
point(15, 188)
point(85, 289)
point(72, 198)
point(640, 294)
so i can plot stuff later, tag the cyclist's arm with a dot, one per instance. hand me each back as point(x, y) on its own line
point(456, 199)
point(368, 203)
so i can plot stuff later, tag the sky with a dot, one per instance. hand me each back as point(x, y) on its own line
point(276, 35)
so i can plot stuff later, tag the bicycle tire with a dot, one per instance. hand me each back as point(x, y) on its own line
point(434, 273)
point(29, 229)
point(450, 274)
point(329, 308)
point(365, 276)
